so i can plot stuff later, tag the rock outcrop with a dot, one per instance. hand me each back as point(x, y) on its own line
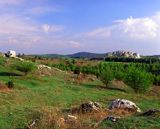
point(90, 107)
point(10, 53)
point(125, 105)
point(43, 67)
point(124, 54)
point(112, 118)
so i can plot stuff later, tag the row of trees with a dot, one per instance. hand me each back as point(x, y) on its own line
point(137, 79)
point(148, 60)
point(139, 76)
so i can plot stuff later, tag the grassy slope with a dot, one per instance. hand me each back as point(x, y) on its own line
point(33, 94)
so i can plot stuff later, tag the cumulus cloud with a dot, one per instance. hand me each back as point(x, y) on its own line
point(133, 28)
point(139, 28)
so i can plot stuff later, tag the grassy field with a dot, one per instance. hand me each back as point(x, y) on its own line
point(45, 97)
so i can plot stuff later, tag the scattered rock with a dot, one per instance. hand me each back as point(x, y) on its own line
point(10, 53)
point(125, 105)
point(151, 112)
point(32, 124)
point(43, 67)
point(90, 107)
point(70, 118)
point(112, 118)
point(18, 58)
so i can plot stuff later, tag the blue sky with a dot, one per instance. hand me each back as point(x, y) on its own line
point(69, 26)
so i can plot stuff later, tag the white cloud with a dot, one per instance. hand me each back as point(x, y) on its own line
point(130, 28)
point(51, 28)
point(14, 25)
point(139, 28)
point(22, 33)
point(100, 32)
point(75, 44)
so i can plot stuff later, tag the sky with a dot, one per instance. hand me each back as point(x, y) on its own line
point(69, 26)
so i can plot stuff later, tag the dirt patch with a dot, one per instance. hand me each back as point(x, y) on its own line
point(4, 89)
point(155, 91)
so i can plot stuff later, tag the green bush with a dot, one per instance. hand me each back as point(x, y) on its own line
point(77, 70)
point(10, 84)
point(119, 75)
point(25, 67)
point(139, 80)
point(157, 80)
point(106, 75)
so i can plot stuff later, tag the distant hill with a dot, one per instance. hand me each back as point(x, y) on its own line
point(52, 55)
point(75, 55)
point(87, 55)
point(153, 56)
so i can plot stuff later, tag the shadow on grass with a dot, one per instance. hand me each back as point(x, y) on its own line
point(104, 87)
point(9, 74)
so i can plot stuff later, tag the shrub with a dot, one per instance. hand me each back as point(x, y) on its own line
point(25, 67)
point(10, 84)
point(157, 80)
point(77, 70)
point(139, 80)
point(106, 75)
point(119, 75)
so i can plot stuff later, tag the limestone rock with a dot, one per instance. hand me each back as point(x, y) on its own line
point(112, 118)
point(11, 53)
point(124, 104)
point(90, 106)
point(43, 67)
point(71, 118)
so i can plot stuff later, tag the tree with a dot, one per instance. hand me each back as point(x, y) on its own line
point(106, 75)
point(137, 79)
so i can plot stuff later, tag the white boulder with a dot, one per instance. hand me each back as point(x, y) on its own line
point(43, 67)
point(112, 118)
point(124, 104)
point(71, 118)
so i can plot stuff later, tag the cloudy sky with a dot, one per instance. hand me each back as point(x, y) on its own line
point(68, 26)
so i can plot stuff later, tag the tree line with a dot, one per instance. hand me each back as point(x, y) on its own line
point(139, 76)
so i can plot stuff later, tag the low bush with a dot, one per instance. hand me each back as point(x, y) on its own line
point(25, 67)
point(10, 84)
